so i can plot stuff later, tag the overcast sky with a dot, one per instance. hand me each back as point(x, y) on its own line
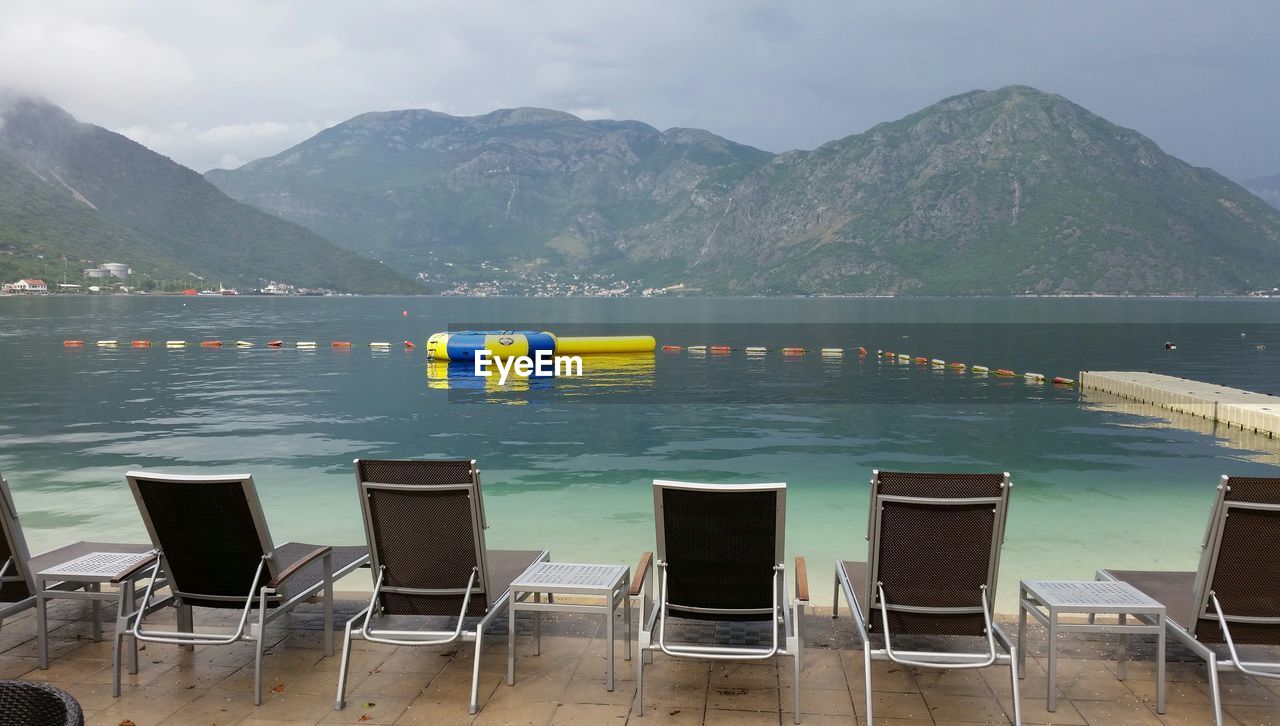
point(220, 83)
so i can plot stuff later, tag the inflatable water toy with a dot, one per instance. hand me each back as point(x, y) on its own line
point(462, 345)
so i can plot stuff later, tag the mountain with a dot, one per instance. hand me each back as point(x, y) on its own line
point(1266, 187)
point(529, 188)
point(998, 192)
point(73, 194)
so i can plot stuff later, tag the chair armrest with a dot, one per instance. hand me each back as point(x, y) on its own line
point(642, 571)
point(133, 571)
point(802, 580)
point(302, 562)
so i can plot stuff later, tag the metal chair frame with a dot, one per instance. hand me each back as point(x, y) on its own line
point(273, 600)
point(478, 583)
point(1208, 605)
point(656, 607)
point(876, 598)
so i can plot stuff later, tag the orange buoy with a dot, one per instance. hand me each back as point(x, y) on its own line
point(211, 344)
point(1064, 381)
point(672, 348)
point(405, 314)
point(1005, 372)
point(73, 343)
point(341, 344)
point(408, 345)
point(889, 354)
point(721, 349)
point(862, 351)
point(275, 344)
point(920, 359)
point(793, 351)
point(141, 344)
point(957, 366)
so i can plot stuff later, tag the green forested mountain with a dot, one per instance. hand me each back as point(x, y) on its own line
point(989, 192)
point(76, 192)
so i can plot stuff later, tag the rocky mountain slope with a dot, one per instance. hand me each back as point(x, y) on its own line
point(77, 191)
point(1006, 191)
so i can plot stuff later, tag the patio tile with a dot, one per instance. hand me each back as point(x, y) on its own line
point(589, 713)
point(955, 708)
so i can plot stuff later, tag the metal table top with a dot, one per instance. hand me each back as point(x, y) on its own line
point(97, 566)
point(1090, 596)
point(569, 579)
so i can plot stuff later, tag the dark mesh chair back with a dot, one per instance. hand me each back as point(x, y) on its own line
point(16, 584)
point(425, 532)
point(211, 533)
point(936, 553)
point(721, 547)
point(1244, 569)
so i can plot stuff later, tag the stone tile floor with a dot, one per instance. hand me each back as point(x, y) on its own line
point(565, 684)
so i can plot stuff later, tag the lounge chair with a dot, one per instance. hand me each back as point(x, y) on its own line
point(720, 558)
point(933, 554)
point(425, 524)
point(216, 552)
point(18, 586)
point(1234, 598)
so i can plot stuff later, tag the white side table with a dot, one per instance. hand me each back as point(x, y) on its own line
point(81, 578)
point(1045, 600)
point(608, 582)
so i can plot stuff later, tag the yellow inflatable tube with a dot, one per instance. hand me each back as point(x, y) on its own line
point(592, 345)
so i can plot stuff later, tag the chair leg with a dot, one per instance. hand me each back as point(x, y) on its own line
point(798, 662)
point(640, 675)
point(186, 623)
point(474, 708)
point(327, 562)
point(1015, 676)
point(835, 599)
point(1215, 688)
point(258, 643)
point(866, 667)
point(341, 700)
point(117, 659)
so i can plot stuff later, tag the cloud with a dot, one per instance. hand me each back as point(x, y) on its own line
point(66, 50)
point(205, 148)
point(247, 78)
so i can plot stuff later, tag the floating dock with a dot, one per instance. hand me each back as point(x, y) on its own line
point(1257, 412)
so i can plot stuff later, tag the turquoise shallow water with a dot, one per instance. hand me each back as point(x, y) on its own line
point(570, 469)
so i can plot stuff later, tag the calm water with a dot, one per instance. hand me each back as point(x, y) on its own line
point(570, 469)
